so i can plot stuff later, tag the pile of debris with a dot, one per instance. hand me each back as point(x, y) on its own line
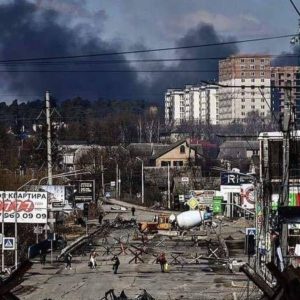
point(110, 295)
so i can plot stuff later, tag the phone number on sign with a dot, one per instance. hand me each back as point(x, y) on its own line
point(25, 216)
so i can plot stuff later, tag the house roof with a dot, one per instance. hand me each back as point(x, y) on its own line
point(168, 149)
point(237, 149)
point(72, 142)
point(146, 149)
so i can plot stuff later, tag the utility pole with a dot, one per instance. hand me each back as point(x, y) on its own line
point(49, 151)
point(49, 144)
point(142, 180)
point(286, 127)
point(2, 231)
point(169, 196)
point(117, 180)
point(102, 177)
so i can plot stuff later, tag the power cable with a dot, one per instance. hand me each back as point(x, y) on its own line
point(133, 60)
point(295, 7)
point(150, 50)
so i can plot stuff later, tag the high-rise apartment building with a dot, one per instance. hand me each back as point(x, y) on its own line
point(197, 104)
point(280, 78)
point(245, 87)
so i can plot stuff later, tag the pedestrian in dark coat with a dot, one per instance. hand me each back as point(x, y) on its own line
point(116, 264)
point(68, 261)
point(132, 210)
point(100, 218)
point(43, 256)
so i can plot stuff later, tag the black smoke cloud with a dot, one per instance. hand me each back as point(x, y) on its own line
point(202, 34)
point(28, 31)
point(288, 58)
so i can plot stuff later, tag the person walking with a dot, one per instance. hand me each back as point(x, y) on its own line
point(68, 261)
point(100, 218)
point(132, 210)
point(43, 256)
point(116, 264)
point(162, 261)
point(93, 263)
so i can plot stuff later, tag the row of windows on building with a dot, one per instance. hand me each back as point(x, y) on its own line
point(252, 67)
point(176, 163)
point(261, 113)
point(253, 107)
point(252, 74)
point(252, 80)
point(252, 60)
point(253, 99)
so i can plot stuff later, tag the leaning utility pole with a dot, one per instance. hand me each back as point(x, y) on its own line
point(49, 143)
point(286, 127)
point(102, 177)
point(49, 153)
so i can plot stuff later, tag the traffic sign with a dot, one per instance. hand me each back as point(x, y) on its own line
point(52, 236)
point(9, 243)
point(250, 231)
point(38, 229)
point(181, 198)
point(193, 203)
point(184, 179)
point(112, 183)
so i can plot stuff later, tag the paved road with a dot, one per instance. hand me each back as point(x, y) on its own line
point(195, 281)
point(191, 282)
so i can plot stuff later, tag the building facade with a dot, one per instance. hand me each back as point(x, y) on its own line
point(281, 77)
point(244, 87)
point(196, 104)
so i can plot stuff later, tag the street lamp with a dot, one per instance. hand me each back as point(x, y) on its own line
point(16, 220)
point(66, 174)
point(143, 199)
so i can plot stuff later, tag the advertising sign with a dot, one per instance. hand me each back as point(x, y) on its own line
point(231, 178)
point(85, 191)
point(31, 207)
point(247, 196)
point(56, 193)
point(207, 197)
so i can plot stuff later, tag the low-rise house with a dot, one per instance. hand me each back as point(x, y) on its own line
point(240, 154)
point(176, 155)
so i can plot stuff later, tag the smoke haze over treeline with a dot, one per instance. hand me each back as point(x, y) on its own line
point(28, 30)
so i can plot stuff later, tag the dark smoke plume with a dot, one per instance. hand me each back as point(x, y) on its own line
point(28, 31)
point(288, 58)
point(202, 34)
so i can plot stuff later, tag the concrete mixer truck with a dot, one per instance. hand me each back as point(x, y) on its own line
point(192, 218)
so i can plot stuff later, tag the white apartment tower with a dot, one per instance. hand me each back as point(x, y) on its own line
point(247, 87)
point(196, 104)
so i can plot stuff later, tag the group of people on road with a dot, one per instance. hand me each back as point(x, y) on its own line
point(92, 261)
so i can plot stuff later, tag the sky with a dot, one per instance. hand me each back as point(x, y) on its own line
point(47, 28)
